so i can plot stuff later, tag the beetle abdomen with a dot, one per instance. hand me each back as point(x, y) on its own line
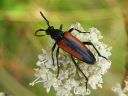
point(76, 48)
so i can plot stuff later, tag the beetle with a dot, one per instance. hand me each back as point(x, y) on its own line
point(70, 44)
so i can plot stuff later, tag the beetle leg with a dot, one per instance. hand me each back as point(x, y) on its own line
point(70, 30)
point(57, 53)
point(61, 26)
point(90, 43)
point(77, 66)
point(53, 48)
point(38, 31)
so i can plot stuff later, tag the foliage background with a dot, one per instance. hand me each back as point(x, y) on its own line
point(19, 19)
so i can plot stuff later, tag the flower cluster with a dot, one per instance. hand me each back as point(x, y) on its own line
point(70, 81)
point(119, 91)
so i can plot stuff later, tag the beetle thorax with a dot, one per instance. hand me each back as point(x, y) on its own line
point(55, 34)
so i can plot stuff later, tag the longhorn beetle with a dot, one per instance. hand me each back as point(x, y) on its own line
point(70, 44)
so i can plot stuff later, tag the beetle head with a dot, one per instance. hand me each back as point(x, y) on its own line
point(48, 30)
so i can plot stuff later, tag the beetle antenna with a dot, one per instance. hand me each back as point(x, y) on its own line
point(45, 18)
point(38, 31)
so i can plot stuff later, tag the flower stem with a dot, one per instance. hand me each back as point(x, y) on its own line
point(12, 85)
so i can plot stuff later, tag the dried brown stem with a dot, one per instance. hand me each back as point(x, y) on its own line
point(125, 15)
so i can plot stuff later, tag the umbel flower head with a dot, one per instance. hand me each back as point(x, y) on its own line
point(70, 81)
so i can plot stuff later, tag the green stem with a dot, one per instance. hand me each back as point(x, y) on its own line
point(12, 85)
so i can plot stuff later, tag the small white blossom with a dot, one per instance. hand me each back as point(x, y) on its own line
point(119, 91)
point(70, 81)
point(81, 91)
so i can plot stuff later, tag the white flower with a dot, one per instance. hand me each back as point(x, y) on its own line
point(81, 91)
point(70, 81)
point(63, 75)
point(119, 91)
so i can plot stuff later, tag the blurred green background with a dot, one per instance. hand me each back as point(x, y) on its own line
point(19, 19)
